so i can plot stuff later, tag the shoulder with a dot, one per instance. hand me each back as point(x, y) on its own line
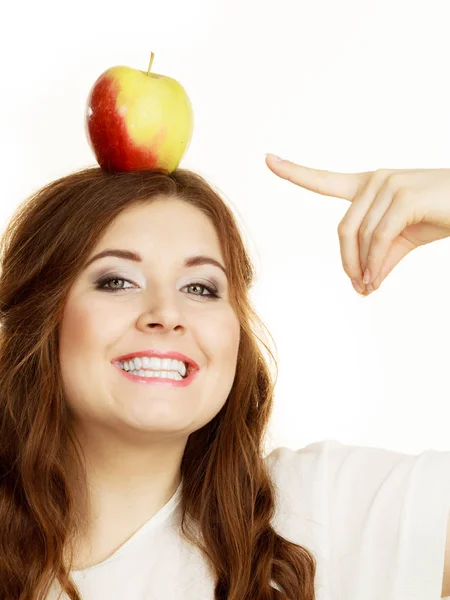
point(321, 460)
point(305, 466)
point(355, 474)
point(366, 510)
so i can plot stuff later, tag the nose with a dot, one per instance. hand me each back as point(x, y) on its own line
point(161, 313)
point(162, 326)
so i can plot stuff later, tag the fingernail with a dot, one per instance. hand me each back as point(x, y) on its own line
point(358, 287)
point(366, 277)
point(275, 157)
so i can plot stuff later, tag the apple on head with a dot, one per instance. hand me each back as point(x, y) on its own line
point(138, 120)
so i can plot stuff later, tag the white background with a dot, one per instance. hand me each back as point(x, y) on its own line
point(343, 86)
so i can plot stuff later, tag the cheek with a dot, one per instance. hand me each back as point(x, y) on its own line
point(224, 353)
point(77, 332)
point(225, 348)
point(82, 344)
point(75, 339)
point(86, 330)
point(72, 331)
point(234, 339)
point(84, 340)
point(221, 335)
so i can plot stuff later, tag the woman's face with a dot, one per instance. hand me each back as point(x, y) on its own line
point(159, 304)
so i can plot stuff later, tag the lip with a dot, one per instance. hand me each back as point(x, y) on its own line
point(159, 354)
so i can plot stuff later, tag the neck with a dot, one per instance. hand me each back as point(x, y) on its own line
point(126, 478)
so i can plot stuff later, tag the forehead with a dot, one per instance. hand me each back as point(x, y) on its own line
point(167, 223)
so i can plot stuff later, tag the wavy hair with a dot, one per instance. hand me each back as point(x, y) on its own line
point(227, 493)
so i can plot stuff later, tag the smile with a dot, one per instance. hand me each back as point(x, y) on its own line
point(154, 377)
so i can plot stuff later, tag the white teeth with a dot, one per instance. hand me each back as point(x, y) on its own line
point(161, 374)
point(155, 364)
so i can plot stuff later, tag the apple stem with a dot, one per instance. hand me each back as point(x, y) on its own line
point(151, 62)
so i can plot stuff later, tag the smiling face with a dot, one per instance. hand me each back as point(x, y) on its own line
point(159, 303)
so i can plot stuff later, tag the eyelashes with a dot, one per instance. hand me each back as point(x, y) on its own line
point(103, 281)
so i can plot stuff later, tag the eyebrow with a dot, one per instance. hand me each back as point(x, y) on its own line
point(192, 261)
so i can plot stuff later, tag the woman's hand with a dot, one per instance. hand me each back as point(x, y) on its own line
point(392, 212)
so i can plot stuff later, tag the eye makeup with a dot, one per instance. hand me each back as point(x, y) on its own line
point(102, 278)
point(101, 284)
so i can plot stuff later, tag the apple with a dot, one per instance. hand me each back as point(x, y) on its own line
point(137, 120)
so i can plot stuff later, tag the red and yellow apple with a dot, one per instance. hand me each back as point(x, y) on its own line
point(137, 120)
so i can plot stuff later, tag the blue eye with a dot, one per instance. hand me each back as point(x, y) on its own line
point(101, 283)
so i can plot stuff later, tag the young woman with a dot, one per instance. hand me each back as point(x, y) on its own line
point(135, 392)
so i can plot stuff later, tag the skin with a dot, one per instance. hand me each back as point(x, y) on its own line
point(133, 435)
point(392, 212)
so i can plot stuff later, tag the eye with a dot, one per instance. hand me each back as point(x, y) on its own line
point(104, 281)
point(101, 283)
point(211, 292)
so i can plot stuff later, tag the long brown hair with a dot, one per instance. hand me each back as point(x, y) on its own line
point(227, 491)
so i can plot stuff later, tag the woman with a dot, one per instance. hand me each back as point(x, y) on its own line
point(135, 396)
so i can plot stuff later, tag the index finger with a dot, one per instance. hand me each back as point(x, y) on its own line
point(327, 183)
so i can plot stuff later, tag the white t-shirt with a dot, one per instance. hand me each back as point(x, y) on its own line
point(375, 520)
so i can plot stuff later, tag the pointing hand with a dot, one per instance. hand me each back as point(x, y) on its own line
point(392, 212)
